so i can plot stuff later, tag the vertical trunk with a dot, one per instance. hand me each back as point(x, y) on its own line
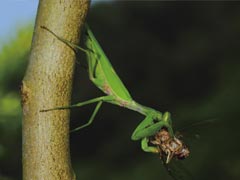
point(47, 84)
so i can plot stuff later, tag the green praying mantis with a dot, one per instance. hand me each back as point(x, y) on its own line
point(102, 74)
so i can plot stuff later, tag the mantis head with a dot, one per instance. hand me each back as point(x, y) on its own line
point(157, 136)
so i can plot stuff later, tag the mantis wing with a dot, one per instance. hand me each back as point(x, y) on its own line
point(100, 68)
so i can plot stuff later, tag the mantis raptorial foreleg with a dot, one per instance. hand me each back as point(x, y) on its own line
point(147, 148)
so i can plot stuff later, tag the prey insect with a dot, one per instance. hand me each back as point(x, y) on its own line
point(102, 74)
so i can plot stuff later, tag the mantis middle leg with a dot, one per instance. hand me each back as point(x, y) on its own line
point(100, 100)
point(91, 118)
point(94, 100)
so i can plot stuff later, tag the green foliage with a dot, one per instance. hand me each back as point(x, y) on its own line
point(13, 61)
point(13, 58)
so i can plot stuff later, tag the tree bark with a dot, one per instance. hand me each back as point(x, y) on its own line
point(47, 84)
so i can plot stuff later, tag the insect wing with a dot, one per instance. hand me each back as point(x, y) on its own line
point(189, 132)
point(196, 130)
point(177, 170)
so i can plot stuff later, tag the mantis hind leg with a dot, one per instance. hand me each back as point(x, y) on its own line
point(92, 62)
point(69, 43)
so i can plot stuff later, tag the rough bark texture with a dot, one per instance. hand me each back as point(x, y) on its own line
point(47, 84)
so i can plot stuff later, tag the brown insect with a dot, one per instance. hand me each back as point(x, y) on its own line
point(169, 146)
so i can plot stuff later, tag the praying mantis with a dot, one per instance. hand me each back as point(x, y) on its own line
point(102, 74)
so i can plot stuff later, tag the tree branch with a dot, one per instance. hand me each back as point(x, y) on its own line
point(48, 83)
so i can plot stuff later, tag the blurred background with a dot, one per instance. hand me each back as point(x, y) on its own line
point(181, 57)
